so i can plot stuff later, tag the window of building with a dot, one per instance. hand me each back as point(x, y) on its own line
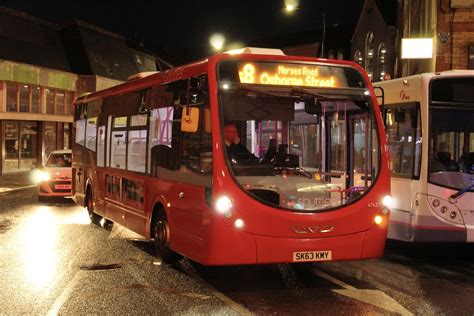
point(49, 101)
point(10, 135)
point(12, 97)
point(383, 75)
point(49, 137)
point(60, 102)
point(68, 98)
point(358, 58)
point(28, 145)
point(24, 98)
point(369, 55)
point(35, 99)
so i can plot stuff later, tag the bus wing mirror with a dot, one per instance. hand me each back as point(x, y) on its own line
point(190, 119)
point(313, 106)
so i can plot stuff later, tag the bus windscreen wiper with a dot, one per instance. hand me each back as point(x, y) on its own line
point(461, 192)
point(304, 92)
point(256, 90)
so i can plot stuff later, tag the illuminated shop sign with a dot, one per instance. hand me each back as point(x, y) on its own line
point(291, 75)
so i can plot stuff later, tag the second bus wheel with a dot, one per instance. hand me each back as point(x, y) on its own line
point(95, 219)
point(161, 235)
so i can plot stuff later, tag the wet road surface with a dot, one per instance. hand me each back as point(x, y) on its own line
point(52, 261)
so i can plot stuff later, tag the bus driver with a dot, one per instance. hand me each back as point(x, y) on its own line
point(235, 150)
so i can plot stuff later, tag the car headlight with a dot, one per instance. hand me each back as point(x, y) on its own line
point(40, 176)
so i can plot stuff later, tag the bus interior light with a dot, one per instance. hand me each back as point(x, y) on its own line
point(387, 201)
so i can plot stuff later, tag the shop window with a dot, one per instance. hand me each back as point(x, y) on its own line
point(68, 102)
point(49, 137)
point(60, 102)
point(35, 99)
point(12, 97)
point(49, 101)
point(66, 135)
point(11, 146)
point(60, 140)
point(28, 144)
point(24, 98)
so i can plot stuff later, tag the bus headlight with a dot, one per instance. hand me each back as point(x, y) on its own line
point(40, 176)
point(224, 206)
point(387, 201)
point(378, 219)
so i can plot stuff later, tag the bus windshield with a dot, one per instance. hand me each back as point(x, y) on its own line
point(451, 143)
point(301, 148)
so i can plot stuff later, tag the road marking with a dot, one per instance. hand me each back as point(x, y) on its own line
point(372, 297)
point(54, 310)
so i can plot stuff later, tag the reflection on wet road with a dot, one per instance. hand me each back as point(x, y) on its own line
point(52, 260)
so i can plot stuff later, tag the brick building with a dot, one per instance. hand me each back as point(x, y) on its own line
point(447, 22)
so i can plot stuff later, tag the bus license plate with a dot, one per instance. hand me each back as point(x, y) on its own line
point(63, 187)
point(302, 256)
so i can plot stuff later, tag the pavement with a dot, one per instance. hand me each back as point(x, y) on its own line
point(15, 181)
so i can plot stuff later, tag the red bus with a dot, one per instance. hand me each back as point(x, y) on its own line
point(246, 157)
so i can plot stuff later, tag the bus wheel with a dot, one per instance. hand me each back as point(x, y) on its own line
point(95, 219)
point(161, 234)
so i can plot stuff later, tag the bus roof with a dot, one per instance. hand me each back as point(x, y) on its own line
point(413, 88)
point(143, 81)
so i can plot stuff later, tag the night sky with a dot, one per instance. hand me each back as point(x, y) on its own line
point(179, 30)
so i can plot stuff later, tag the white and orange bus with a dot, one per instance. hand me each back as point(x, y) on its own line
point(308, 184)
point(430, 130)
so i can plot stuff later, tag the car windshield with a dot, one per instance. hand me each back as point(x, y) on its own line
point(451, 145)
point(59, 160)
point(299, 149)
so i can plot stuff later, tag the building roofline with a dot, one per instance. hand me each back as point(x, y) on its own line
point(82, 23)
point(29, 17)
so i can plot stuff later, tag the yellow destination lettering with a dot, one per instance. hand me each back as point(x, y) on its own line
point(285, 75)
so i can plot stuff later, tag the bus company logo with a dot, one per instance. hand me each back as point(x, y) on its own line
point(403, 95)
point(313, 229)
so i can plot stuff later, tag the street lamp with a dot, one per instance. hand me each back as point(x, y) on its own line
point(217, 41)
point(291, 6)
